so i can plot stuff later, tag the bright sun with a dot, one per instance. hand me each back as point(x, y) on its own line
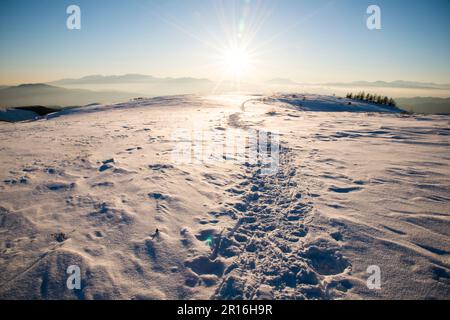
point(237, 61)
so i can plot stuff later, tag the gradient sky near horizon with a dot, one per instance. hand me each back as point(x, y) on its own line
point(304, 40)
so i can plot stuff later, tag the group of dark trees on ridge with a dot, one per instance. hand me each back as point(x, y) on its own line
point(374, 98)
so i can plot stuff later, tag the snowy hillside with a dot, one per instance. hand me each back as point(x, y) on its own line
point(105, 188)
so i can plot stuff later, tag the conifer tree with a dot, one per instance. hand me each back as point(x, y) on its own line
point(392, 102)
point(379, 100)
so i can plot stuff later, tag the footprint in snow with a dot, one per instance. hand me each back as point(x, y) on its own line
point(107, 164)
point(344, 190)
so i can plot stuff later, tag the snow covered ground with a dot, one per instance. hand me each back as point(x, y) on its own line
point(103, 188)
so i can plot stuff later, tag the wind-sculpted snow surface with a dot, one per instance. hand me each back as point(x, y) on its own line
point(226, 197)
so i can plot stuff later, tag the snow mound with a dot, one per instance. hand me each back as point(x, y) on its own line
point(320, 103)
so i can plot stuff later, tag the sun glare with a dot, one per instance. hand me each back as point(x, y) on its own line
point(236, 61)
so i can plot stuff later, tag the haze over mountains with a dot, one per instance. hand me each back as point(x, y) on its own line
point(127, 78)
point(425, 105)
point(47, 95)
point(394, 84)
point(98, 89)
point(281, 81)
point(119, 88)
point(140, 78)
point(139, 84)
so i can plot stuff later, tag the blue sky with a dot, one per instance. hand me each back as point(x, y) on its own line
point(310, 41)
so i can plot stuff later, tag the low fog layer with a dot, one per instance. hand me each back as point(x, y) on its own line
point(410, 96)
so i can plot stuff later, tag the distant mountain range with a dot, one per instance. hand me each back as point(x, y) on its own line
point(141, 78)
point(147, 79)
point(47, 95)
point(127, 78)
point(138, 84)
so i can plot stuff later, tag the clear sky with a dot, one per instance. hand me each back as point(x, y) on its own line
point(305, 40)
